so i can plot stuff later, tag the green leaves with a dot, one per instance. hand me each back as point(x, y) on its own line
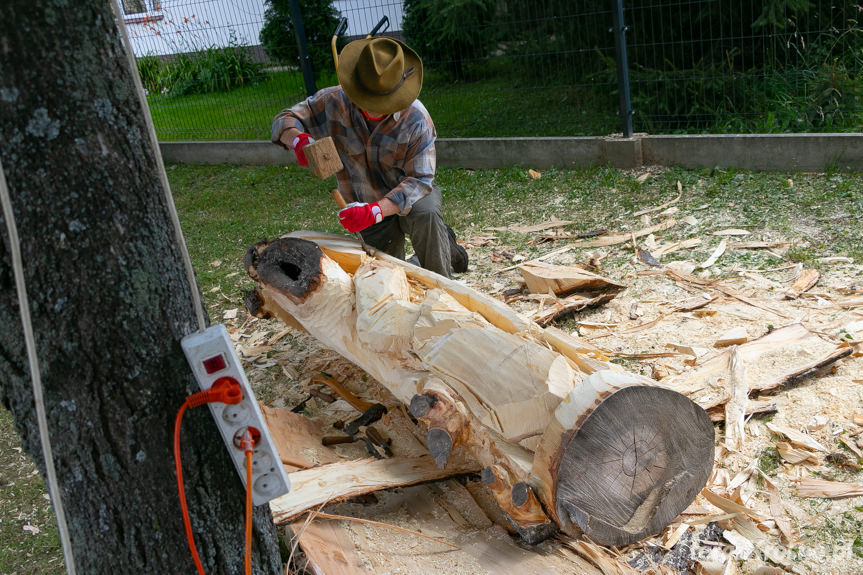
point(320, 19)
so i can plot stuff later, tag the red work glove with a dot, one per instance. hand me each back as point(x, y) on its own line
point(298, 144)
point(357, 217)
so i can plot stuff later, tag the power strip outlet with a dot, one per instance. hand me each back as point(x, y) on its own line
point(212, 356)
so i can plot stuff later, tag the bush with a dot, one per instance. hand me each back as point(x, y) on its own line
point(277, 37)
point(209, 70)
point(449, 34)
point(151, 70)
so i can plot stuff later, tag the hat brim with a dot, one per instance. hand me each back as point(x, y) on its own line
point(369, 101)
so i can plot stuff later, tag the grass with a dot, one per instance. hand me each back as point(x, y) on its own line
point(226, 209)
point(29, 543)
point(472, 109)
point(241, 114)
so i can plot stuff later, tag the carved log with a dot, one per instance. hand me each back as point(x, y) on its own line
point(565, 440)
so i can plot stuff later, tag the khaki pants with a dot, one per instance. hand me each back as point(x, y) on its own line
point(424, 226)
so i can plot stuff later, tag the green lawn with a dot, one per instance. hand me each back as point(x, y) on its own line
point(240, 114)
point(487, 108)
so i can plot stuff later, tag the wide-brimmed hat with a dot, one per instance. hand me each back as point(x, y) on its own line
point(380, 75)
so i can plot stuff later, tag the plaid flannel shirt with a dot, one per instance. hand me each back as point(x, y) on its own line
point(396, 160)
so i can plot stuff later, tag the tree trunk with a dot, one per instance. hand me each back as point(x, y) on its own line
point(566, 441)
point(109, 301)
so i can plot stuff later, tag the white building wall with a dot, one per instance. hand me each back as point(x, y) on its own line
point(180, 26)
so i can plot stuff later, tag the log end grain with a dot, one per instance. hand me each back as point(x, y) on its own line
point(288, 265)
point(633, 465)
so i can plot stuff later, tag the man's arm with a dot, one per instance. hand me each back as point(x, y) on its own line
point(419, 163)
point(287, 137)
point(388, 207)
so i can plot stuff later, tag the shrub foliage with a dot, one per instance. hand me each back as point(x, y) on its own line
point(278, 38)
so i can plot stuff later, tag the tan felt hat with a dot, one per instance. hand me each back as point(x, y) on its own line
point(380, 75)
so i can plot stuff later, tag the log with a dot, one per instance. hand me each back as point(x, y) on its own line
point(565, 440)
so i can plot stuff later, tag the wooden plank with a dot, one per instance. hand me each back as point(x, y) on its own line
point(329, 548)
point(311, 488)
point(444, 510)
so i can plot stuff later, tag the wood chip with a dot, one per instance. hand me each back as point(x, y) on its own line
point(695, 302)
point(731, 232)
point(675, 246)
point(777, 509)
point(796, 437)
point(615, 239)
point(543, 278)
point(729, 506)
point(601, 558)
point(704, 312)
point(663, 206)
point(688, 279)
point(646, 257)
point(757, 245)
point(550, 254)
point(675, 535)
point(735, 409)
point(795, 456)
point(566, 307)
point(734, 336)
point(743, 476)
point(828, 489)
point(717, 253)
point(552, 223)
point(807, 280)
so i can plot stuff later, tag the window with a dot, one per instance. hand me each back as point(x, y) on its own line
point(141, 10)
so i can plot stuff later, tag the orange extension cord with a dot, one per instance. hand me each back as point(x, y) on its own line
point(248, 446)
point(225, 390)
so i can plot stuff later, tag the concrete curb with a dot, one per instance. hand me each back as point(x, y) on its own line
point(758, 152)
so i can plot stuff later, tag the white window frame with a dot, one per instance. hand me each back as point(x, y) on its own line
point(152, 11)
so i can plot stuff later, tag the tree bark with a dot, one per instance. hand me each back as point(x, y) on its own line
point(109, 301)
point(565, 440)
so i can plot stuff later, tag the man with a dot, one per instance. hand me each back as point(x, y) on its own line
point(385, 139)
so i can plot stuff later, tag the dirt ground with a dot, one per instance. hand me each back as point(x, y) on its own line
point(639, 329)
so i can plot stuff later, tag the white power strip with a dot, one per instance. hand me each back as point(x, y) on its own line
point(212, 356)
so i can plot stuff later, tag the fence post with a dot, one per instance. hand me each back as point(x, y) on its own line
point(305, 59)
point(620, 28)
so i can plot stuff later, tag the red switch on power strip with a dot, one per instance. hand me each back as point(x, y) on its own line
point(215, 363)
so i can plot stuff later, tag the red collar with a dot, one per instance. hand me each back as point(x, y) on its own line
point(372, 118)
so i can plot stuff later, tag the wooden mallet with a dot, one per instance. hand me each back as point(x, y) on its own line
point(324, 161)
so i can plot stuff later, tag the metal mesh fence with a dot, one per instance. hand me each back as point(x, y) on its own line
point(221, 69)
